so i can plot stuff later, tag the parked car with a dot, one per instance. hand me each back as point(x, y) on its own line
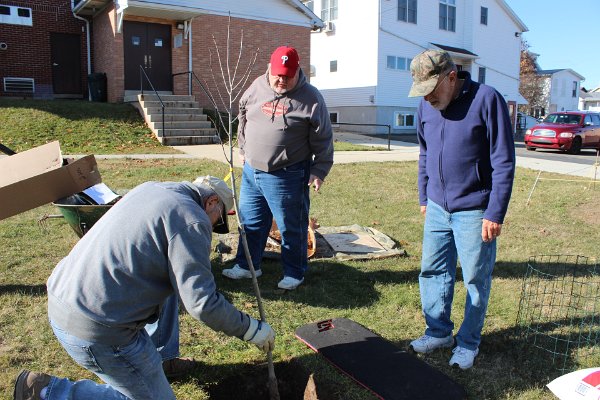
point(569, 131)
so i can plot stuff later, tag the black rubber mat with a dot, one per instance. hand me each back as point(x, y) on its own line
point(376, 364)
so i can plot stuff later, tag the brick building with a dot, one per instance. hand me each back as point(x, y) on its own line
point(43, 50)
point(161, 38)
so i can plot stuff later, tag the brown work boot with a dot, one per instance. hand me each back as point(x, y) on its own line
point(178, 367)
point(29, 385)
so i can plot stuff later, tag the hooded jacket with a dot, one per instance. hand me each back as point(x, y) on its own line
point(278, 130)
point(467, 152)
point(156, 241)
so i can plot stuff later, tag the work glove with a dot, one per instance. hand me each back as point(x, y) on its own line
point(261, 334)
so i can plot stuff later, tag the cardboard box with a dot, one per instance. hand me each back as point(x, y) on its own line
point(36, 177)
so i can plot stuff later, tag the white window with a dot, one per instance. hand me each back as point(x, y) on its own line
point(448, 15)
point(15, 15)
point(484, 16)
point(334, 117)
point(407, 11)
point(404, 120)
point(401, 63)
point(481, 75)
point(329, 10)
point(333, 66)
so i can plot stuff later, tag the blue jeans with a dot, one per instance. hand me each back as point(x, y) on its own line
point(282, 195)
point(448, 237)
point(132, 371)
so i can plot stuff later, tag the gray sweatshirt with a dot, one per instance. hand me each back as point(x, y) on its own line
point(278, 130)
point(154, 242)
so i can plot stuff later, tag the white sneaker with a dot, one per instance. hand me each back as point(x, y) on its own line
point(463, 358)
point(238, 272)
point(427, 344)
point(289, 283)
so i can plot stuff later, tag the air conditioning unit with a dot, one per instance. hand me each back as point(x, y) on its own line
point(329, 27)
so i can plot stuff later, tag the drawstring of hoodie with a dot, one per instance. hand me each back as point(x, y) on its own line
point(287, 103)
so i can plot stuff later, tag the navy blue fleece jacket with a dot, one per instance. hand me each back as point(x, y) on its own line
point(467, 152)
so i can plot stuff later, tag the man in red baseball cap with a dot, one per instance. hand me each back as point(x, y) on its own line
point(283, 69)
point(285, 141)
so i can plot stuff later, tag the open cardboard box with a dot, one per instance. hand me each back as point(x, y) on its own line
point(36, 177)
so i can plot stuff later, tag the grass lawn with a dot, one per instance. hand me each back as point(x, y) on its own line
point(82, 127)
point(380, 294)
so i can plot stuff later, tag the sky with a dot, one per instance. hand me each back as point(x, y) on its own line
point(564, 34)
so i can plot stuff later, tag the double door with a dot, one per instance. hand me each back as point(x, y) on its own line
point(149, 46)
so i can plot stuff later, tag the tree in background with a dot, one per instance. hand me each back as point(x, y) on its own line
point(532, 86)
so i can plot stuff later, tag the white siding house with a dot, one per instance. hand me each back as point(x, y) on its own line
point(361, 60)
point(590, 100)
point(562, 86)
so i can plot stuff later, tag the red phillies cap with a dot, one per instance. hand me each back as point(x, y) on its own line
point(285, 61)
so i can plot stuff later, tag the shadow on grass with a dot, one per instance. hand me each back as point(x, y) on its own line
point(328, 284)
point(33, 290)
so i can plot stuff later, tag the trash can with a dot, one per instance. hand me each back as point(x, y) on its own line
point(97, 86)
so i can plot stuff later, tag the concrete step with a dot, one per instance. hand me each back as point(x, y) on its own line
point(187, 140)
point(157, 117)
point(169, 104)
point(165, 97)
point(171, 110)
point(185, 132)
point(181, 125)
point(130, 96)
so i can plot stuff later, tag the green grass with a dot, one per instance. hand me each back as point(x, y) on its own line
point(347, 146)
point(380, 294)
point(81, 127)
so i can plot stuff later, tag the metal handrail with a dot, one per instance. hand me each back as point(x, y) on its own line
point(142, 74)
point(206, 92)
point(389, 128)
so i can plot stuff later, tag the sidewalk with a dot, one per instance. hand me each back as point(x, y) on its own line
point(399, 151)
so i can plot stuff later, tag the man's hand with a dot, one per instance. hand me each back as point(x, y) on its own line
point(261, 334)
point(490, 230)
point(423, 210)
point(314, 180)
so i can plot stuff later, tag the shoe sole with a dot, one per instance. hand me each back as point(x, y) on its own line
point(18, 392)
point(241, 277)
point(290, 288)
point(412, 350)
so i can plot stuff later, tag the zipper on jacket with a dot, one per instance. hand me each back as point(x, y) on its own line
point(443, 184)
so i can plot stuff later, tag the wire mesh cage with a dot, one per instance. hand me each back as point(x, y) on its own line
point(559, 310)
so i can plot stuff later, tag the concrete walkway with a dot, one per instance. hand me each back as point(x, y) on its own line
point(399, 151)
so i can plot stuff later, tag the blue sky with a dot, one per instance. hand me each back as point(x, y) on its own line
point(564, 34)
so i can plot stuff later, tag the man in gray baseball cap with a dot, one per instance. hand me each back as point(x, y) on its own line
point(426, 69)
point(466, 171)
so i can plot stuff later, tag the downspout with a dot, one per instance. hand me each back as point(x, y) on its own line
point(87, 39)
point(190, 53)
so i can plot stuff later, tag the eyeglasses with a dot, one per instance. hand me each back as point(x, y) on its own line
point(438, 85)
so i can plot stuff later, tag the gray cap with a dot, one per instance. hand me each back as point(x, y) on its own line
point(426, 68)
point(219, 187)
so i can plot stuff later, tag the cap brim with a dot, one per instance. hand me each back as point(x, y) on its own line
point(422, 89)
point(222, 227)
point(289, 72)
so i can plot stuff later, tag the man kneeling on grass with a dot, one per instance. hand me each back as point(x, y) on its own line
point(112, 302)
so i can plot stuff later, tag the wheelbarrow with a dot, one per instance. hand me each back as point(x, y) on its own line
point(81, 217)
